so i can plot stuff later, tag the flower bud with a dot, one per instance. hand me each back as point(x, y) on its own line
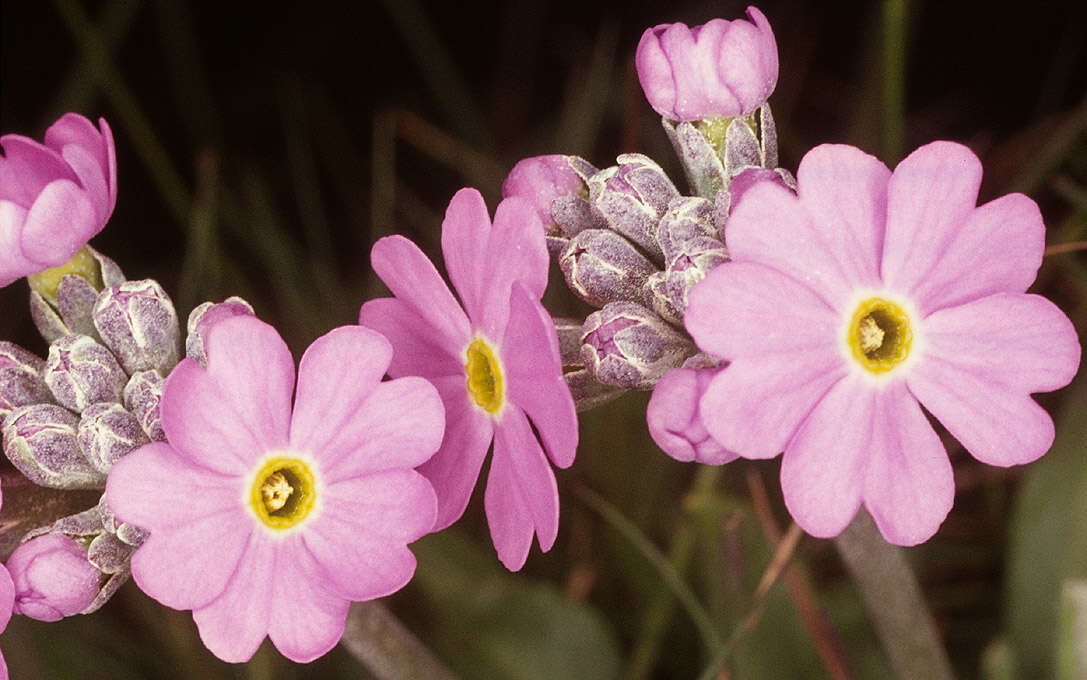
point(601, 266)
point(203, 317)
point(722, 68)
point(587, 391)
point(626, 345)
point(136, 320)
point(142, 395)
point(688, 236)
point(53, 578)
point(128, 533)
point(41, 441)
point(107, 432)
point(67, 306)
point(543, 179)
point(21, 381)
point(674, 422)
point(76, 298)
point(632, 197)
point(80, 372)
point(108, 554)
point(701, 164)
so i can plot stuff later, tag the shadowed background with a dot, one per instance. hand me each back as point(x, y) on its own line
point(262, 147)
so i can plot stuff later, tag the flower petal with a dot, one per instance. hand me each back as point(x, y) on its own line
point(13, 264)
point(417, 347)
point(336, 376)
point(522, 497)
point(306, 619)
point(672, 416)
point(361, 536)
point(997, 249)
point(516, 252)
point(7, 598)
point(931, 194)
point(530, 355)
point(745, 309)
point(136, 484)
point(233, 625)
point(845, 192)
point(981, 362)
point(465, 232)
point(399, 425)
point(454, 469)
point(823, 469)
point(754, 406)
point(413, 279)
point(60, 222)
point(770, 225)
point(909, 487)
point(26, 167)
point(188, 565)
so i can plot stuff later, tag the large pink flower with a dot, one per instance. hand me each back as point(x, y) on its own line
point(495, 362)
point(266, 519)
point(868, 294)
point(55, 196)
point(722, 68)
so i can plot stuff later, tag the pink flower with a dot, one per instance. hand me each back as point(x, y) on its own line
point(870, 293)
point(53, 578)
point(495, 363)
point(722, 68)
point(266, 519)
point(7, 600)
point(55, 196)
point(672, 416)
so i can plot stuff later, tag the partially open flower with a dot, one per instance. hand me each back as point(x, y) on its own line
point(54, 196)
point(268, 518)
point(722, 68)
point(53, 578)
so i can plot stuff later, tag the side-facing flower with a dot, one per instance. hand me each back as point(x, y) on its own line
point(54, 196)
point(495, 363)
point(722, 68)
point(864, 296)
point(267, 518)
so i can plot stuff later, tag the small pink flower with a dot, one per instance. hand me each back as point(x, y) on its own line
point(53, 578)
point(268, 519)
point(495, 363)
point(55, 196)
point(850, 305)
point(722, 68)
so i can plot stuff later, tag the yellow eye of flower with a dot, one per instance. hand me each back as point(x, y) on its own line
point(484, 375)
point(879, 335)
point(284, 492)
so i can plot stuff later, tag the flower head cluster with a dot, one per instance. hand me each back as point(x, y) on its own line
point(268, 518)
point(54, 196)
point(867, 294)
point(495, 362)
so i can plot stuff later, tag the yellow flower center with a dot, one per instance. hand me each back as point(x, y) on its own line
point(484, 375)
point(879, 335)
point(284, 492)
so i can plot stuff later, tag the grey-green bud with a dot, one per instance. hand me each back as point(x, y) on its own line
point(626, 345)
point(601, 266)
point(21, 381)
point(136, 320)
point(631, 197)
point(80, 372)
point(142, 396)
point(107, 432)
point(41, 441)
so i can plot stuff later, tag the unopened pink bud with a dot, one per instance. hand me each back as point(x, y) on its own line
point(53, 578)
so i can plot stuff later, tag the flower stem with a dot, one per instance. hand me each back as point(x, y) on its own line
point(388, 650)
point(894, 79)
point(29, 506)
point(894, 600)
point(1060, 248)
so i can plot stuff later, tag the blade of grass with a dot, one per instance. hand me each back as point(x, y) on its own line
point(587, 95)
point(667, 572)
point(894, 80)
point(200, 268)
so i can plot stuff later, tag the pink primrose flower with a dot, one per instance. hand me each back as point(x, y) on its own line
point(495, 363)
point(722, 68)
point(7, 601)
point(848, 306)
point(268, 519)
point(54, 196)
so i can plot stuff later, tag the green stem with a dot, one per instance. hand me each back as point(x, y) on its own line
point(894, 79)
point(386, 648)
point(894, 600)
